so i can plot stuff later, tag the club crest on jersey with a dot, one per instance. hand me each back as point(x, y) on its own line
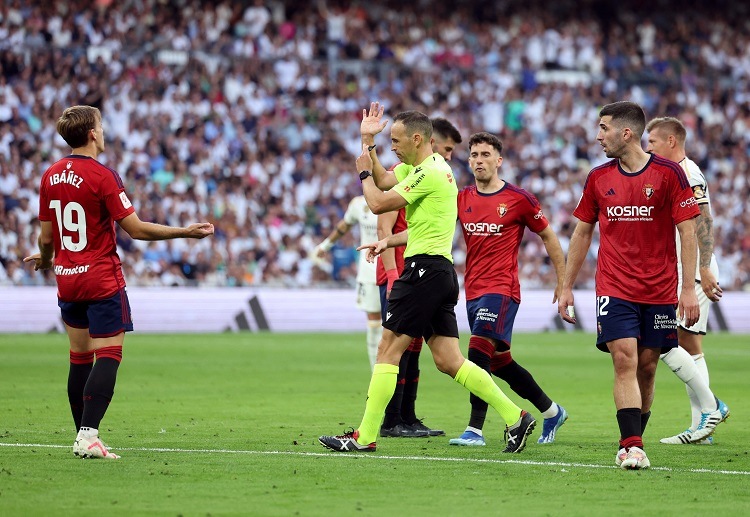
point(698, 192)
point(502, 209)
point(70, 164)
point(648, 191)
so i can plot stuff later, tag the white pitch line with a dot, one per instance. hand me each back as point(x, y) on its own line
point(381, 457)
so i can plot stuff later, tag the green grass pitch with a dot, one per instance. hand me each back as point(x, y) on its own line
point(227, 424)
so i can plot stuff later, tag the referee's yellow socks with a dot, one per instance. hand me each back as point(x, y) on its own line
point(382, 386)
point(479, 382)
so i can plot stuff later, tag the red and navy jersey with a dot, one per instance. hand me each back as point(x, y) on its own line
point(82, 199)
point(493, 226)
point(398, 227)
point(637, 214)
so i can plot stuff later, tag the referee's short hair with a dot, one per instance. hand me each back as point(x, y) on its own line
point(415, 122)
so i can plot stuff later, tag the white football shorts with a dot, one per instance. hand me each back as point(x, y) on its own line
point(704, 303)
point(368, 297)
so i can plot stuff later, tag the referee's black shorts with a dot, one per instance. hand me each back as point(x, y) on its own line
point(423, 299)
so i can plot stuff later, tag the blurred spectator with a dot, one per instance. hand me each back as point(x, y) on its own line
point(249, 116)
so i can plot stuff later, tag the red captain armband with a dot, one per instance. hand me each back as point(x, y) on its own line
point(392, 276)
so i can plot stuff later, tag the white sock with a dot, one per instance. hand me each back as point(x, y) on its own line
point(700, 363)
point(374, 333)
point(88, 432)
point(551, 412)
point(695, 407)
point(474, 430)
point(683, 365)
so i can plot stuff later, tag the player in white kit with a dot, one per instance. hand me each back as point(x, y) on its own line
point(368, 292)
point(666, 137)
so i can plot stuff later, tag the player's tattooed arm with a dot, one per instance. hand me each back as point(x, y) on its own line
point(705, 236)
point(704, 233)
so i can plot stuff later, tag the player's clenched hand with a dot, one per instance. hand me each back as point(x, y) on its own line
point(374, 249)
point(200, 230)
point(364, 161)
point(372, 122)
point(688, 309)
point(36, 258)
point(565, 306)
point(710, 285)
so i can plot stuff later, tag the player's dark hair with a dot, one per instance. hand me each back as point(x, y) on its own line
point(76, 122)
point(445, 129)
point(486, 138)
point(671, 126)
point(626, 114)
point(415, 122)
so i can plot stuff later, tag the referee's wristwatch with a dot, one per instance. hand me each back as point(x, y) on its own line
point(364, 174)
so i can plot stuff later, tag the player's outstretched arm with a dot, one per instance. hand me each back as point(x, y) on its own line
point(338, 231)
point(556, 255)
point(376, 248)
point(579, 246)
point(145, 231)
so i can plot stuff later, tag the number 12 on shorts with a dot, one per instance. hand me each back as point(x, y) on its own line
point(601, 303)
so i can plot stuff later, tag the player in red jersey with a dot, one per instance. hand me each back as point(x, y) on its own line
point(80, 200)
point(494, 215)
point(637, 199)
point(400, 415)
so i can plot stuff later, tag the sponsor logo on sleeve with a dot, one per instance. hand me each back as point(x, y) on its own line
point(691, 201)
point(417, 181)
point(125, 201)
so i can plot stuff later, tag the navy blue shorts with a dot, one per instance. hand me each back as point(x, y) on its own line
point(103, 318)
point(492, 316)
point(654, 326)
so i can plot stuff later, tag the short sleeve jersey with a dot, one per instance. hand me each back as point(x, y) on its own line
point(493, 226)
point(637, 214)
point(430, 191)
point(398, 227)
point(82, 199)
point(700, 191)
point(359, 213)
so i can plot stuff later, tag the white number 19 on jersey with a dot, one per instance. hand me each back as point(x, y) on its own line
point(73, 219)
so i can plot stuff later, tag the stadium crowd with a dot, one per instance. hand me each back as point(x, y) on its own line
point(247, 115)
